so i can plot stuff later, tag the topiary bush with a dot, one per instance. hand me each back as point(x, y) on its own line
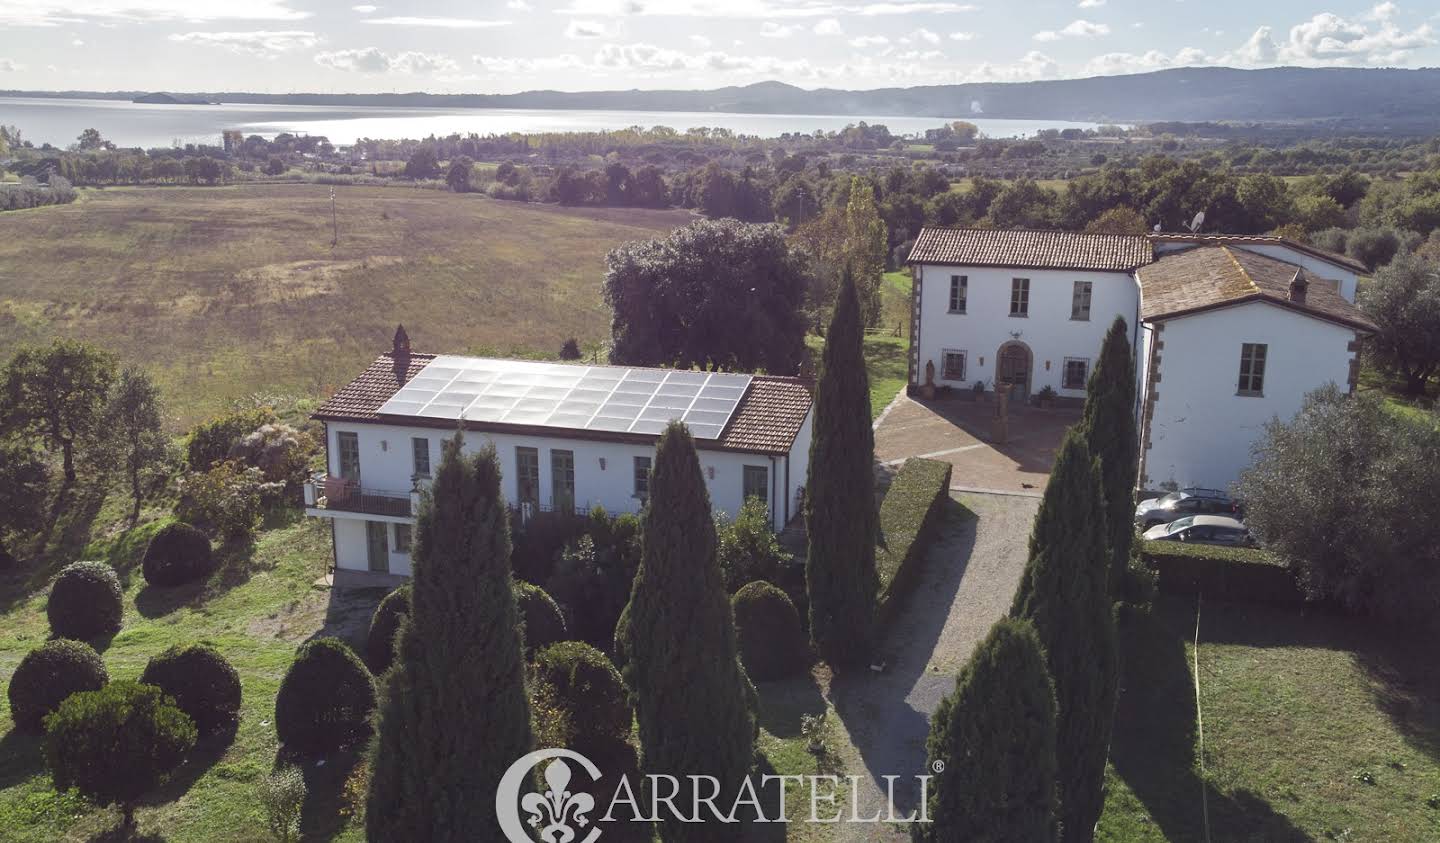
point(177, 554)
point(544, 623)
point(202, 682)
point(47, 675)
point(325, 699)
point(85, 602)
point(380, 641)
point(117, 744)
point(588, 688)
point(767, 627)
point(622, 629)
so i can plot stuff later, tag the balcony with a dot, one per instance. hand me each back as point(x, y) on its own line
point(327, 495)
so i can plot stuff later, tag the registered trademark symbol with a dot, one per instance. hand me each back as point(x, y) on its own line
point(938, 766)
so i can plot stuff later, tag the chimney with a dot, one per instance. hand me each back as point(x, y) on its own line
point(1298, 286)
point(400, 354)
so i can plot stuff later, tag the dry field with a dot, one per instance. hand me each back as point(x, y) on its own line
point(225, 292)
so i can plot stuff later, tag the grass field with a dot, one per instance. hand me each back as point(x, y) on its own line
point(1316, 727)
point(225, 292)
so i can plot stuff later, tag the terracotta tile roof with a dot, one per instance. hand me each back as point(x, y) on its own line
point(1032, 249)
point(359, 399)
point(767, 419)
point(1261, 240)
point(1208, 277)
point(769, 416)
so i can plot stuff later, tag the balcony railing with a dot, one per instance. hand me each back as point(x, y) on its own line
point(338, 494)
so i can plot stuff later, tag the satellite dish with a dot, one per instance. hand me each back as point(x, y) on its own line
point(1197, 222)
point(1157, 228)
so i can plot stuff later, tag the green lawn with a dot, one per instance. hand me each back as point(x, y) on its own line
point(1317, 727)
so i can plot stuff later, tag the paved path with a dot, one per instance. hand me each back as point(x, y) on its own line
point(968, 584)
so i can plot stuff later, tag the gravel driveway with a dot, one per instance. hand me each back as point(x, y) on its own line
point(967, 585)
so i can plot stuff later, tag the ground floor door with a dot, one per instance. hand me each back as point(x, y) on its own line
point(377, 545)
point(1014, 370)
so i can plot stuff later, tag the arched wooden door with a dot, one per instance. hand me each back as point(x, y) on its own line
point(1014, 369)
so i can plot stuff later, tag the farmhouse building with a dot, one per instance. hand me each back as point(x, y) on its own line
point(568, 436)
point(1229, 331)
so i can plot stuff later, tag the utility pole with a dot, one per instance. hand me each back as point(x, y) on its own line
point(334, 221)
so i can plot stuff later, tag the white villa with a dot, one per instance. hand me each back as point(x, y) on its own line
point(1230, 331)
point(569, 437)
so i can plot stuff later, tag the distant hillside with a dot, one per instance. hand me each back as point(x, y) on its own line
point(163, 98)
point(1373, 96)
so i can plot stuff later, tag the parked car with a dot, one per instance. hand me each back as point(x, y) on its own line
point(1202, 529)
point(1194, 501)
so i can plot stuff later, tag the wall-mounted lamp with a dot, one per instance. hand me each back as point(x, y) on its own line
point(1047, 365)
point(384, 444)
point(982, 360)
point(602, 463)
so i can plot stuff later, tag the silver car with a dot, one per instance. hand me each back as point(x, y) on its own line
point(1167, 508)
point(1203, 529)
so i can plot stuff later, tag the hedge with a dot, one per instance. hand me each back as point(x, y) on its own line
point(47, 676)
point(177, 554)
point(1231, 573)
point(203, 684)
point(910, 519)
point(86, 602)
point(767, 628)
point(380, 640)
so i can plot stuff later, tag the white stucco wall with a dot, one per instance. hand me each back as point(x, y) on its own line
point(1201, 432)
point(799, 464)
point(386, 465)
point(1048, 330)
point(1344, 278)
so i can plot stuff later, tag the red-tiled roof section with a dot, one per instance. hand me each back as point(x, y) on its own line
point(359, 399)
point(769, 416)
point(1261, 240)
point(1214, 276)
point(1032, 249)
point(767, 420)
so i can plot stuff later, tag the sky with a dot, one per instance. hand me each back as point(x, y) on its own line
point(504, 46)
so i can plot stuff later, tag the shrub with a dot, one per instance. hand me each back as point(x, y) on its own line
point(1227, 573)
point(748, 548)
point(47, 675)
point(178, 553)
point(570, 350)
point(116, 744)
point(201, 681)
point(325, 699)
point(622, 629)
point(283, 795)
point(380, 641)
point(910, 519)
point(281, 452)
point(539, 542)
point(544, 624)
point(86, 601)
point(593, 574)
point(227, 500)
point(210, 442)
point(588, 688)
point(772, 645)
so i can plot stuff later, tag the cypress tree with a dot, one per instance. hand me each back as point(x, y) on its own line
point(840, 515)
point(692, 698)
point(996, 737)
point(1063, 592)
point(1110, 432)
point(454, 712)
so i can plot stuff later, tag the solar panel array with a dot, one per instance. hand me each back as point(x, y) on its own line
point(572, 397)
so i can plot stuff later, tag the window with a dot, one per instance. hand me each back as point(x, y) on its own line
point(402, 538)
point(959, 287)
point(1252, 368)
point(1019, 296)
point(642, 478)
point(1080, 300)
point(757, 483)
point(420, 447)
point(1076, 371)
point(527, 474)
point(562, 480)
point(954, 369)
point(349, 443)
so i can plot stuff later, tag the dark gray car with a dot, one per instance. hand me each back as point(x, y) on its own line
point(1167, 508)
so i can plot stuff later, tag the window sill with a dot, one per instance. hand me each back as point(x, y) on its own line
point(955, 313)
point(1079, 318)
point(1240, 393)
point(1019, 316)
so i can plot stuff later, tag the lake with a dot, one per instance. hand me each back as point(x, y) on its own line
point(59, 121)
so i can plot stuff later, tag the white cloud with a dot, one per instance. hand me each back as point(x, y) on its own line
point(962, 36)
point(1033, 65)
point(10, 66)
point(926, 35)
point(829, 26)
point(770, 29)
point(260, 43)
point(758, 8)
point(519, 6)
point(700, 41)
point(77, 43)
point(1091, 4)
point(1328, 39)
point(372, 60)
point(581, 29)
point(58, 12)
point(1111, 64)
point(1382, 12)
point(868, 41)
point(506, 66)
point(364, 10)
point(447, 23)
point(1075, 29)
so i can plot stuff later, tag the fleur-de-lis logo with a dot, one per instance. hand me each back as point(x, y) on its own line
point(551, 812)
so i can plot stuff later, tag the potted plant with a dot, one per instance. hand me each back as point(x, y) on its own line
point(1046, 397)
